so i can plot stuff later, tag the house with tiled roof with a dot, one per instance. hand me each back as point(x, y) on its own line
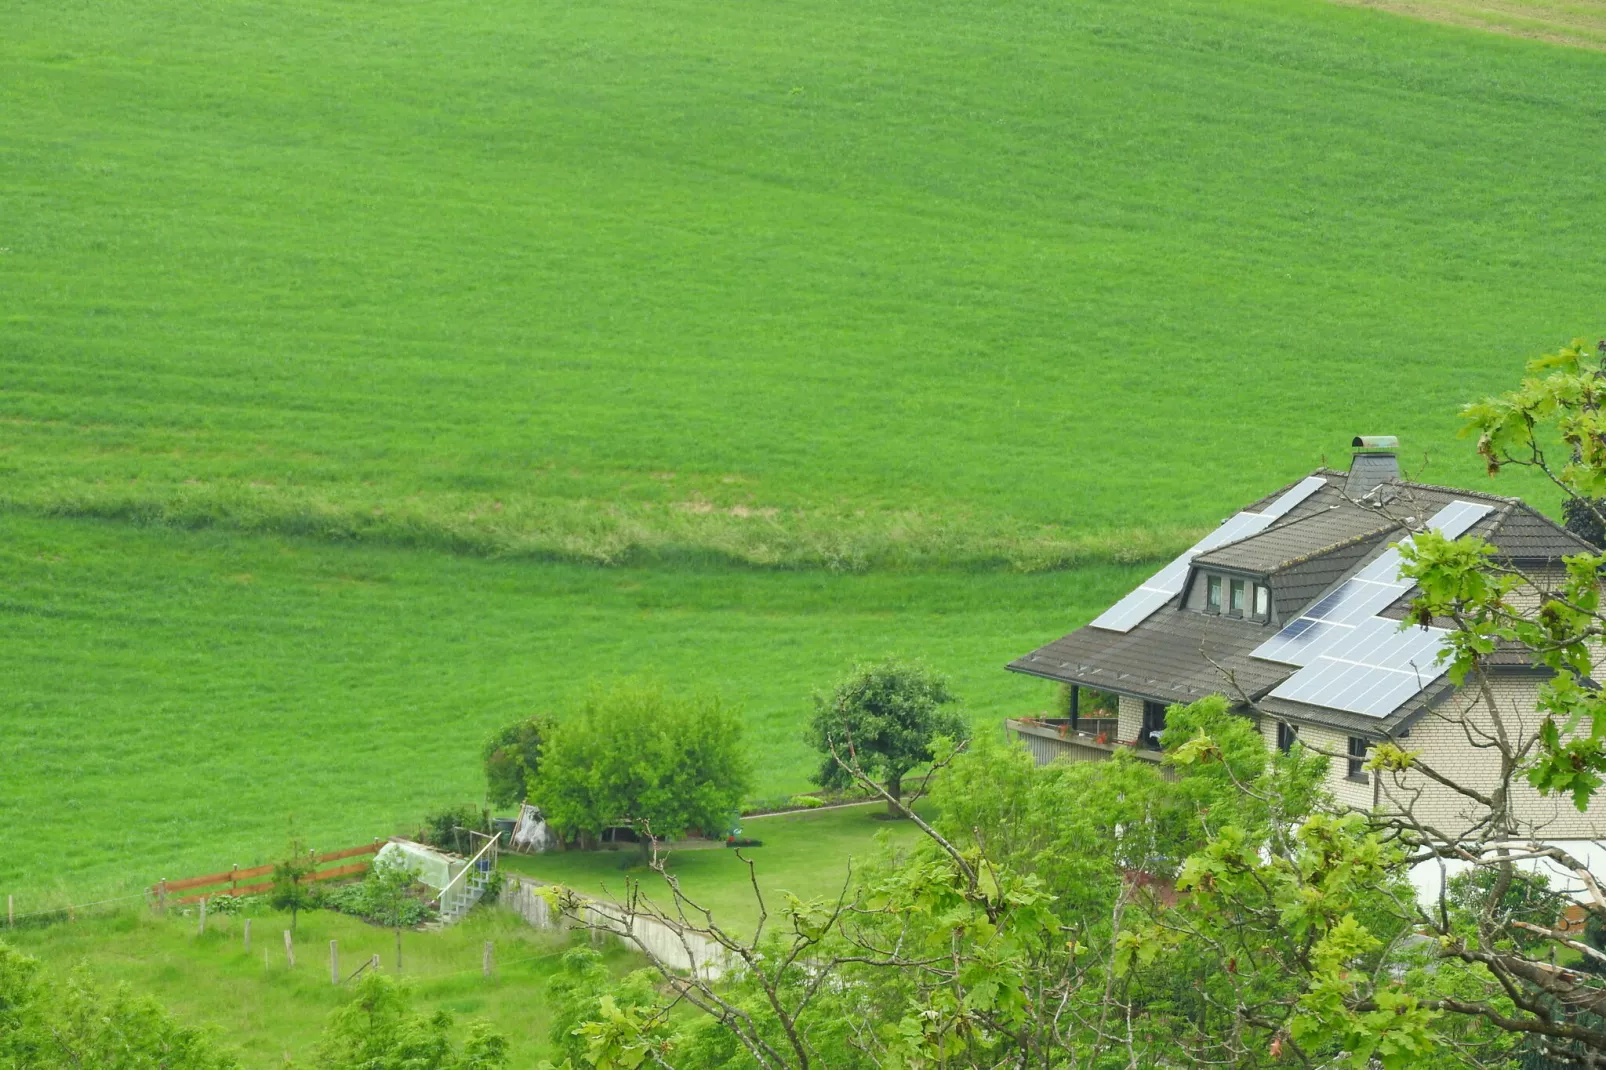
point(1292, 609)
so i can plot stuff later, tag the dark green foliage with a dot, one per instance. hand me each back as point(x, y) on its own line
point(513, 758)
point(633, 754)
point(379, 1030)
point(1583, 518)
point(885, 717)
point(451, 828)
point(371, 900)
point(1526, 896)
point(77, 1025)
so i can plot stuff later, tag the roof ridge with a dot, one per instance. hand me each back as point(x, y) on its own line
point(1353, 540)
point(1460, 490)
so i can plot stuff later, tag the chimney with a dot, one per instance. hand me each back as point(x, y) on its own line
point(1373, 465)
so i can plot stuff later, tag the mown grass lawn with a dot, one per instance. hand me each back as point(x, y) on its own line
point(172, 701)
point(808, 855)
point(838, 281)
point(271, 1013)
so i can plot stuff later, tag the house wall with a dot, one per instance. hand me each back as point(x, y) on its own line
point(1129, 712)
point(1335, 745)
point(1442, 739)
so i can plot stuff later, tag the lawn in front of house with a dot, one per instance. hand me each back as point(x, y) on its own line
point(808, 854)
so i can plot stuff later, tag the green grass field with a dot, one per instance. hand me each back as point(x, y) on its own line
point(842, 281)
point(172, 702)
point(270, 1013)
point(862, 316)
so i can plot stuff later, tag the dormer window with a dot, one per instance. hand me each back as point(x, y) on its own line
point(1213, 594)
point(1262, 601)
point(1236, 597)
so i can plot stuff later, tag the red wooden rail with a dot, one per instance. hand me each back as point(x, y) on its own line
point(229, 881)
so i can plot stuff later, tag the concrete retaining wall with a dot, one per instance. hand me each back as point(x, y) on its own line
point(666, 943)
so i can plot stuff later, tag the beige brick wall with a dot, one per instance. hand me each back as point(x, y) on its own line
point(1446, 739)
point(1130, 714)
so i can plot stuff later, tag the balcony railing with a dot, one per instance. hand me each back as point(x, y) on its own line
point(1092, 740)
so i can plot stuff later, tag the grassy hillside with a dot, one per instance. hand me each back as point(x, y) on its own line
point(834, 282)
point(172, 701)
point(269, 1013)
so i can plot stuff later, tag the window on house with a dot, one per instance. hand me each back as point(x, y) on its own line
point(1213, 593)
point(1286, 736)
point(1262, 601)
point(1357, 758)
point(1235, 597)
point(1153, 725)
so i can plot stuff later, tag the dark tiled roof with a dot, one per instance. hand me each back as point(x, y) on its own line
point(1167, 658)
point(1181, 655)
point(1297, 541)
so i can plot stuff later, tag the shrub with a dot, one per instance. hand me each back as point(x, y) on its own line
point(448, 828)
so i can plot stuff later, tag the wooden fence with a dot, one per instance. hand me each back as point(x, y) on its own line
point(237, 881)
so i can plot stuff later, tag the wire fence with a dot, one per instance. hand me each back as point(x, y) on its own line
point(56, 913)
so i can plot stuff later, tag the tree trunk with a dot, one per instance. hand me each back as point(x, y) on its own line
point(646, 848)
point(894, 789)
point(398, 947)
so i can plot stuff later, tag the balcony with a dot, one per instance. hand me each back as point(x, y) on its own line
point(1092, 740)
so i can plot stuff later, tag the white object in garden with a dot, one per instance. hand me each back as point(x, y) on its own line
point(532, 835)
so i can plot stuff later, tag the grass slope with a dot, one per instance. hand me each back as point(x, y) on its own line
point(837, 282)
point(270, 1013)
point(172, 700)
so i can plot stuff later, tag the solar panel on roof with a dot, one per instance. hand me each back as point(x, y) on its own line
point(1293, 496)
point(1454, 519)
point(1353, 659)
point(1160, 588)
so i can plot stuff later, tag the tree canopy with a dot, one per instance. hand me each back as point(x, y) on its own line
point(886, 715)
point(634, 755)
point(512, 760)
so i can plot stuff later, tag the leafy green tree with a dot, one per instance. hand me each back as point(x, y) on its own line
point(635, 755)
point(292, 888)
point(882, 719)
point(75, 1024)
point(379, 1030)
point(513, 760)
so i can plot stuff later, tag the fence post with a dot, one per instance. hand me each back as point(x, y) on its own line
point(490, 960)
point(234, 880)
point(200, 929)
point(289, 949)
point(248, 934)
point(161, 897)
point(373, 963)
point(334, 962)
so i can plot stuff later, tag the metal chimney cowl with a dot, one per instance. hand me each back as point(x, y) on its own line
point(1375, 462)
